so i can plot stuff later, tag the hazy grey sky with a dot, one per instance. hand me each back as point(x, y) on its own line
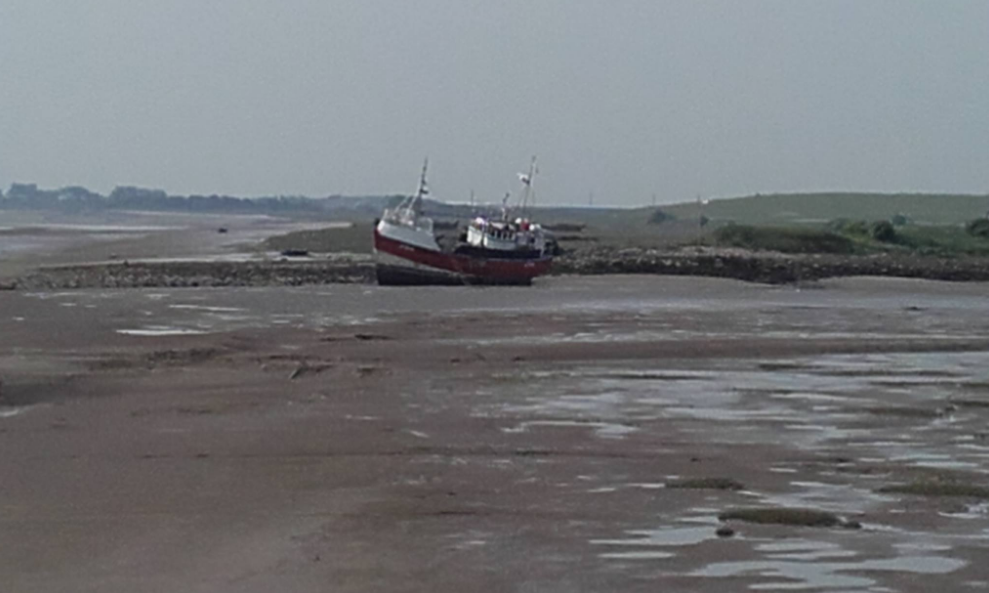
point(624, 98)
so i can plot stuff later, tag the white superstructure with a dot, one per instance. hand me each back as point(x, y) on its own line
point(505, 234)
point(406, 224)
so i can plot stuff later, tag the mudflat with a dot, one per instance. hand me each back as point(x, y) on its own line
point(586, 434)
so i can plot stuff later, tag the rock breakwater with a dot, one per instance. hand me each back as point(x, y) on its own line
point(196, 274)
point(770, 268)
point(766, 267)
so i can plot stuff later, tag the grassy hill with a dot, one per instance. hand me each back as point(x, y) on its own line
point(769, 209)
point(933, 222)
point(822, 207)
point(845, 223)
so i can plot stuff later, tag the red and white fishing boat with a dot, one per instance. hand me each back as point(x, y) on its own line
point(507, 250)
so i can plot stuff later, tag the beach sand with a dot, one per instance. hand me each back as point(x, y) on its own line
point(357, 438)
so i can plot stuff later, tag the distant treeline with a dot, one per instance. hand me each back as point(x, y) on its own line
point(79, 199)
point(75, 199)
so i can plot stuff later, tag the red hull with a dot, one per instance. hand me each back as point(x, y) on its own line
point(408, 264)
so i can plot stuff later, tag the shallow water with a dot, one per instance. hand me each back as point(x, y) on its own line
point(8, 412)
point(161, 330)
point(817, 403)
point(800, 575)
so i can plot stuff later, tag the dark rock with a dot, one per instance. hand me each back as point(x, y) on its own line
point(371, 337)
point(705, 484)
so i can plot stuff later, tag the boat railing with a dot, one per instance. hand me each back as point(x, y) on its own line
point(408, 217)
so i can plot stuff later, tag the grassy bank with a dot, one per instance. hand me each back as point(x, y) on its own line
point(840, 237)
point(854, 237)
point(357, 238)
point(783, 239)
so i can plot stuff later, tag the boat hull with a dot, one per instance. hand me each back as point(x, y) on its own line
point(402, 264)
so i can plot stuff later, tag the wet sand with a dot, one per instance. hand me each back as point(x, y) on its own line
point(356, 438)
point(29, 240)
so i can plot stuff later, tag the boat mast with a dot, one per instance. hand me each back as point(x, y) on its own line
point(526, 179)
point(423, 189)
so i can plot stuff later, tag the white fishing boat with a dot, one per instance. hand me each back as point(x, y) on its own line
point(507, 249)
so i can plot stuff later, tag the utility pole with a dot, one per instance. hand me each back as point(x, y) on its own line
point(700, 219)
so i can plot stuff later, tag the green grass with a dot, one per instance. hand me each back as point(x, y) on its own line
point(939, 240)
point(784, 239)
point(358, 238)
point(935, 223)
point(846, 237)
point(942, 240)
